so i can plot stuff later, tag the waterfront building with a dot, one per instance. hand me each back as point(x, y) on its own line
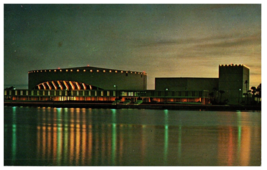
point(109, 85)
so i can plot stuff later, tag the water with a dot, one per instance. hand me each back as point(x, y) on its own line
point(132, 137)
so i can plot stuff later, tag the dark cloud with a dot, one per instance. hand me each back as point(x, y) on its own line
point(162, 39)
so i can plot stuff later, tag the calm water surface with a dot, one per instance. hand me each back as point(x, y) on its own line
point(85, 137)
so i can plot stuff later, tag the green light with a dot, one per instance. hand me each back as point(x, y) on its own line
point(113, 143)
point(14, 135)
point(166, 140)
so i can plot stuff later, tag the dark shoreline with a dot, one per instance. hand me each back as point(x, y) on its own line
point(82, 104)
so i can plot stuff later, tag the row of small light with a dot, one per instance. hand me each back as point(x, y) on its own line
point(231, 64)
point(227, 65)
point(71, 70)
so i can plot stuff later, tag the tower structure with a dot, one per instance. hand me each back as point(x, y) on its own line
point(233, 82)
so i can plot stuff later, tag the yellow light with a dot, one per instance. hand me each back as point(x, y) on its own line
point(121, 71)
point(67, 87)
point(55, 70)
point(59, 84)
point(54, 85)
point(84, 70)
point(84, 86)
point(91, 70)
point(116, 71)
point(67, 70)
point(60, 70)
point(77, 84)
point(72, 86)
point(48, 85)
point(104, 71)
point(97, 70)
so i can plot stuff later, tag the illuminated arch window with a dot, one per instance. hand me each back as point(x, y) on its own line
point(37, 71)
point(49, 70)
point(97, 70)
point(67, 70)
point(71, 70)
point(116, 71)
point(104, 71)
point(91, 71)
point(121, 71)
point(55, 70)
point(78, 70)
point(60, 70)
point(110, 71)
point(84, 70)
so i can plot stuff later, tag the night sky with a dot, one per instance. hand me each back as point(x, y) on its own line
point(163, 40)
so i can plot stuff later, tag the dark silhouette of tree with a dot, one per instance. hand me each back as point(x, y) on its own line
point(258, 92)
point(253, 91)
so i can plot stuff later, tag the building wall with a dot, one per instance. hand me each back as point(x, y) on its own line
point(232, 81)
point(104, 78)
point(191, 84)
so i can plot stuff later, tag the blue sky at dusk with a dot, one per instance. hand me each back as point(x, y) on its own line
point(164, 40)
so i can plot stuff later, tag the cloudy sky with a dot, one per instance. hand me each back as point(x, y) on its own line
point(163, 40)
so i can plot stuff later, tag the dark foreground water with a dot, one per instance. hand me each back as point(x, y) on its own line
point(68, 136)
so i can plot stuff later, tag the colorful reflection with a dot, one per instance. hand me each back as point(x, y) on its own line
point(77, 136)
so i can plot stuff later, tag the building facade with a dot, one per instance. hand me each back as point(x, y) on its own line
point(84, 78)
point(229, 87)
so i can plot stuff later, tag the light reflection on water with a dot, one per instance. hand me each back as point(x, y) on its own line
point(78, 136)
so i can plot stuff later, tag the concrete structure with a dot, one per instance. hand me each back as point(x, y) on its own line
point(232, 83)
point(190, 84)
point(83, 78)
point(100, 84)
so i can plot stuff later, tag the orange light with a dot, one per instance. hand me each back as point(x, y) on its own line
point(87, 65)
point(84, 86)
point(72, 86)
point(48, 85)
point(78, 86)
point(59, 84)
point(66, 85)
point(44, 86)
point(54, 85)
